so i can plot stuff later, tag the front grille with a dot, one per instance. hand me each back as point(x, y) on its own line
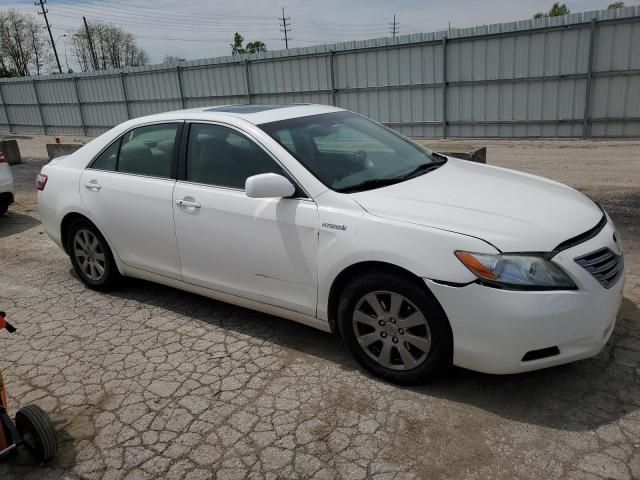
point(604, 265)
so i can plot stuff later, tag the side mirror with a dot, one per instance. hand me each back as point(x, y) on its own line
point(268, 185)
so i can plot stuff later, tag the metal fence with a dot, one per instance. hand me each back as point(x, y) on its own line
point(571, 76)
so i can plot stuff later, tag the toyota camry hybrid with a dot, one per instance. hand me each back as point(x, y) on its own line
point(320, 215)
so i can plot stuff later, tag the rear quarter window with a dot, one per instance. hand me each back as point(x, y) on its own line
point(108, 158)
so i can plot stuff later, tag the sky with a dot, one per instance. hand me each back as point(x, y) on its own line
point(192, 29)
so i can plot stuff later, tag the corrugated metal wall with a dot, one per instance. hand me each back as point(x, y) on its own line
point(571, 76)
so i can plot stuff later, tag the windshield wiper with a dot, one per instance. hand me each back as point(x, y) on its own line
point(438, 161)
point(369, 184)
point(424, 168)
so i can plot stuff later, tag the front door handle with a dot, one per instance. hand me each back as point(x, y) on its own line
point(93, 185)
point(188, 203)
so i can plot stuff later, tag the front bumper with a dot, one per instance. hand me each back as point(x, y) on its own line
point(494, 329)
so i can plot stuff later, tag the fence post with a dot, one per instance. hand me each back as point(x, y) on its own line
point(79, 102)
point(248, 79)
point(35, 91)
point(124, 94)
point(182, 99)
point(6, 109)
point(333, 77)
point(444, 87)
point(586, 120)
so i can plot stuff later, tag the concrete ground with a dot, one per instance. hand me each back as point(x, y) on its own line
point(151, 382)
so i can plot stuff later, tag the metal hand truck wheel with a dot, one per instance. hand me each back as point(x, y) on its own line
point(31, 429)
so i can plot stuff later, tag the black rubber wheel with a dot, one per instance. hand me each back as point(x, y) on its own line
point(91, 256)
point(395, 328)
point(37, 433)
point(4, 206)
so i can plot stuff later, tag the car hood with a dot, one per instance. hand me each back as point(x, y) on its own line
point(513, 211)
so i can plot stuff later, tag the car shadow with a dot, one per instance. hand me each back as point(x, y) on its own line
point(575, 397)
point(12, 223)
point(579, 396)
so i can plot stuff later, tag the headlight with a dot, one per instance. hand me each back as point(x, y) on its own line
point(516, 270)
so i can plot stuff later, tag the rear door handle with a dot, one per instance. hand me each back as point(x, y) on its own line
point(93, 186)
point(188, 203)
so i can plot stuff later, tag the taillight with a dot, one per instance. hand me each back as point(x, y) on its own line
point(41, 181)
point(2, 159)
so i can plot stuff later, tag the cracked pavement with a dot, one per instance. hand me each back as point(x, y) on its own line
point(151, 382)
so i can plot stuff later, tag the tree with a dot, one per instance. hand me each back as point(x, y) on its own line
point(615, 5)
point(236, 46)
point(556, 10)
point(23, 48)
point(255, 47)
point(113, 47)
point(251, 47)
point(41, 49)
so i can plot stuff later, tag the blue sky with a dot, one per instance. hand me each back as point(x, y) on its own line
point(204, 28)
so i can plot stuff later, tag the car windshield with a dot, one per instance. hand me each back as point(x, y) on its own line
point(350, 153)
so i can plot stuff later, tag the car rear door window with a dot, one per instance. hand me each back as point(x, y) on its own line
point(148, 150)
point(220, 156)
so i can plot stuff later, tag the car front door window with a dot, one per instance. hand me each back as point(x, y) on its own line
point(220, 156)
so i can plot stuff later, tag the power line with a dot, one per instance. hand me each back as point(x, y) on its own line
point(284, 28)
point(158, 18)
point(198, 17)
point(395, 27)
point(154, 26)
point(46, 20)
point(73, 29)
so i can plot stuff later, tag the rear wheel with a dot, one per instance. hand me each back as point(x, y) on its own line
point(91, 256)
point(394, 328)
point(4, 206)
point(37, 433)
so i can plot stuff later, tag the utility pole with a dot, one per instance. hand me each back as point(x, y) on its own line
point(395, 26)
point(91, 49)
point(46, 20)
point(284, 28)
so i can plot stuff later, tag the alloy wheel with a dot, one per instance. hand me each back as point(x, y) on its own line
point(391, 330)
point(89, 254)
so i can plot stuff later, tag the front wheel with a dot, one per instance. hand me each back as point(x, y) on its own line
point(394, 328)
point(36, 432)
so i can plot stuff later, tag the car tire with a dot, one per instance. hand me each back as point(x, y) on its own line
point(4, 206)
point(95, 265)
point(405, 339)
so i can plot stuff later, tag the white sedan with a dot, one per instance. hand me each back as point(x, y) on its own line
point(6, 184)
point(324, 217)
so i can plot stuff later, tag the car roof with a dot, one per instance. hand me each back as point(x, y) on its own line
point(254, 113)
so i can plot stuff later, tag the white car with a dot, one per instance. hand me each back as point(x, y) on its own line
point(322, 216)
point(6, 185)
